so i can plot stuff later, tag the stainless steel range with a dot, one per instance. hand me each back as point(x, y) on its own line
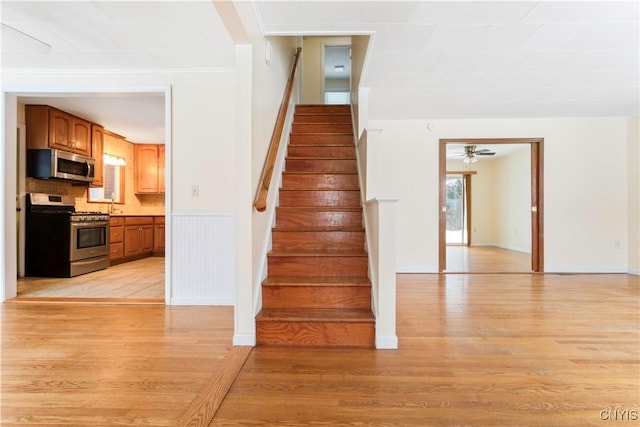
point(60, 242)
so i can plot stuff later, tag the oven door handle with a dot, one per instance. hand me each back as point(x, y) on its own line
point(90, 224)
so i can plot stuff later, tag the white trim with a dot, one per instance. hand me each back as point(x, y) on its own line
point(244, 340)
point(168, 222)
point(634, 271)
point(319, 33)
point(386, 342)
point(204, 213)
point(117, 70)
point(202, 301)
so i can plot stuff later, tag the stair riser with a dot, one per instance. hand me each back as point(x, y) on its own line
point(325, 198)
point(320, 181)
point(321, 128)
point(301, 218)
point(323, 109)
point(318, 240)
point(328, 266)
point(316, 297)
point(321, 118)
point(348, 151)
point(322, 166)
point(320, 138)
point(316, 334)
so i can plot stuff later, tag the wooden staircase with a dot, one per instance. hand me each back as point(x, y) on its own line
point(317, 292)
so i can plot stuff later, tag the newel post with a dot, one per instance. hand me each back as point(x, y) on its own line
point(382, 218)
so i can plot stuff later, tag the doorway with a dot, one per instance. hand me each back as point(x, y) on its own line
point(455, 191)
point(337, 74)
point(13, 177)
point(458, 212)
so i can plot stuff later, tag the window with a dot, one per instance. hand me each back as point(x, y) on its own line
point(113, 188)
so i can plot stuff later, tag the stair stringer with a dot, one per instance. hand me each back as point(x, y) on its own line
point(262, 270)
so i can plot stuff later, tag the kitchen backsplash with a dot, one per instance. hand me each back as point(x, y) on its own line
point(152, 204)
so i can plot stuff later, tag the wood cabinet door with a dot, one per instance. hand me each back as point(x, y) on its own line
point(132, 240)
point(158, 239)
point(161, 160)
point(60, 130)
point(81, 137)
point(146, 168)
point(97, 151)
point(146, 238)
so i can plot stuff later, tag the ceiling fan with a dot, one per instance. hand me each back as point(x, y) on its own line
point(471, 152)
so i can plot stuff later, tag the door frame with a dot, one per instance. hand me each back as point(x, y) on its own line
point(8, 158)
point(537, 195)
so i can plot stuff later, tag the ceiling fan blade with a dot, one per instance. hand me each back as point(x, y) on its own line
point(480, 153)
point(483, 150)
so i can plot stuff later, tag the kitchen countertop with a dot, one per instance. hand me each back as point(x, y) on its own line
point(124, 214)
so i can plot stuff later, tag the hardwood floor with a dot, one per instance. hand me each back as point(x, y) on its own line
point(486, 259)
point(474, 349)
point(543, 350)
point(105, 365)
point(141, 280)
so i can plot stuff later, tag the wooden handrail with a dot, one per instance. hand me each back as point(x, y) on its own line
point(260, 202)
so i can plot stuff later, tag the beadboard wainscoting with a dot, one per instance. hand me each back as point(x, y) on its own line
point(203, 258)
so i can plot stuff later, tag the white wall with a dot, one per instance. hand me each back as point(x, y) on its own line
point(633, 166)
point(585, 187)
point(269, 85)
point(512, 219)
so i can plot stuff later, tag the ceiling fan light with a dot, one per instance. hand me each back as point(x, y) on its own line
point(470, 159)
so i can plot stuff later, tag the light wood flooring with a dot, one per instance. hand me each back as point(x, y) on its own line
point(474, 349)
point(141, 280)
point(486, 259)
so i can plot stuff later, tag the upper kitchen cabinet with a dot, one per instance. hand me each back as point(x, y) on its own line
point(97, 150)
point(149, 169)
point(48, 127)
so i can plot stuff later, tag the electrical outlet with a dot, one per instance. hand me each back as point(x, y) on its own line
point(195, 190)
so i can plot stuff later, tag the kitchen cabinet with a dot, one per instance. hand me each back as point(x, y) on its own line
point(97, 151)
point(138, 236)
point(149, 169)
point(48, 127)
point(116, 239)
point(158, 236)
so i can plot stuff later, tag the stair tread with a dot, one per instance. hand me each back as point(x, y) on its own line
point(319, 158)
point(316, 315)
point(321, 133)
point(318, 173)
point(321, 145)
point(315, 229)
point(320, 189)
point(322, 208)
point(317, 281)
point(319, 253)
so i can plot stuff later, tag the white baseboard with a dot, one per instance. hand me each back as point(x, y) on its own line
point(634, 271)
point(244, 340)
point(386, 342)
point(201, 301)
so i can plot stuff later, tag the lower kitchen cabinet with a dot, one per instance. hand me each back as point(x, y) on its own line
point(116, 239)
point(135, 237)
point(138, 236)
point(158, 236)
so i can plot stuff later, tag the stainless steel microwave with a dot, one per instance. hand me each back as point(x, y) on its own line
point(50, 163)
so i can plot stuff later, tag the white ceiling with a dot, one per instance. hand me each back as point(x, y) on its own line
point(428, 59)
